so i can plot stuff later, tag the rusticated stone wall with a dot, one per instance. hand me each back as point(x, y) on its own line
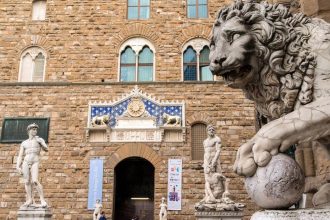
point(82, 38)
point(64, 169)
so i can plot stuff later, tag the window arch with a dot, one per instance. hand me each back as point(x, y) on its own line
point(196, 61)
point(32, 65)
point(137, 61)
point(190, 64)
point(39, 10)
point(198, 135)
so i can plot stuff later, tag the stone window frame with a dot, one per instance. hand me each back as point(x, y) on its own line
point(197, 44)
point(137, 44)
point(35, 4)
point(34, 51)
point(139, 10)
point(197, 150)
point(196, 8)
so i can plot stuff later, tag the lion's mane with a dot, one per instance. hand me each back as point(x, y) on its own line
point(281, 41)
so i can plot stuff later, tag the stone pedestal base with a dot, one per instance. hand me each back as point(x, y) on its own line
point(299, 214)
point(34, 214)
point(220, 215)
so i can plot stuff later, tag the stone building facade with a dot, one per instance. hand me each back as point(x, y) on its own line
point(82, 44)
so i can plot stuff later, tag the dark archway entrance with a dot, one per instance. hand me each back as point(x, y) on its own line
point(134, 189)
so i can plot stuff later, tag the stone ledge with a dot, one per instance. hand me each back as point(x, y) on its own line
point(299, 214)
point(219, 215)
point(34, 214)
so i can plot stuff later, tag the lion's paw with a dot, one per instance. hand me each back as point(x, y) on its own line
point(245, 164)
point(262, 158)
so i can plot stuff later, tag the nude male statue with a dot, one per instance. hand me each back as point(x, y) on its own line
point(163, 210)
point(213, 177)
point(216, 184)
point(31, 148)
point(97, 210)
point(212, 146)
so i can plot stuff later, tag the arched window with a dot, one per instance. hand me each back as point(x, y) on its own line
point(198, 135)
point(145, 64)
point(39, 10)
point(137, 60)
point(190, 64)
point(127, 65)
point(204, 64)
point(196, 61)
point(32, 67)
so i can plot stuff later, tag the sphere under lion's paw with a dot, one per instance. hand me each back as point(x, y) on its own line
point(278, 185)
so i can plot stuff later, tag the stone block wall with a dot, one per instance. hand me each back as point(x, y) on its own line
point(82, 38)
point(64, 169)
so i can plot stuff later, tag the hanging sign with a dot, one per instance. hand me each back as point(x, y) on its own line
point(95, 182)
point(174, 184)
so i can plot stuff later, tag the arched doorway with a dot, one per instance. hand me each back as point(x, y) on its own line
point(134, 189)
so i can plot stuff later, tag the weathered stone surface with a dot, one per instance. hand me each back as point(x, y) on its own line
point(279, 184)
point(64, 169)
point(301, 214)
point(287, 78)
point(222, 215)
point(34, 214)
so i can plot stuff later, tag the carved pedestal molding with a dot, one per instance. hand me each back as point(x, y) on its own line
point(221, 215)
point(34, 214)
point(300, 214)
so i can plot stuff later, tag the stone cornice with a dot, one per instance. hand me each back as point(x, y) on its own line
point(45, 84)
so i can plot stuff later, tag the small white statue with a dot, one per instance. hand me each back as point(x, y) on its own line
point(163, 210)
point(30, 149)
point(97, 210)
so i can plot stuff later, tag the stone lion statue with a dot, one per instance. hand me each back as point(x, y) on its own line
point(281, 61)
point(171, 120)
point(102, 120)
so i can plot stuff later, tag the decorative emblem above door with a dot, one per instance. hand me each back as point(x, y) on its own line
point(138, 117)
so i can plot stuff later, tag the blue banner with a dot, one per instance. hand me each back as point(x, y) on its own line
point(95, 182)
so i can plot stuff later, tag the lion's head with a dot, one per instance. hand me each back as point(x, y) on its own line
point(263, 49)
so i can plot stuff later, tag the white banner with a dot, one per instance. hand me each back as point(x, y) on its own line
point(174, 184)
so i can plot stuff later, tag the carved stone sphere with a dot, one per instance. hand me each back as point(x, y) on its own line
point(278, 185)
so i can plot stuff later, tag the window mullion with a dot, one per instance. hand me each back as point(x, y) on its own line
point(197, 16)
point(136, 66)
point(33, 69)
point(139, 9)
point(197, 66)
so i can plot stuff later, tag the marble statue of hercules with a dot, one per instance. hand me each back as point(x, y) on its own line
point(212, 171)
point(29, 168)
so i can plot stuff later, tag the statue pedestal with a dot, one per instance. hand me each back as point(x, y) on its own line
point(219, 215)
point(31, 213)
point(298, 214)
